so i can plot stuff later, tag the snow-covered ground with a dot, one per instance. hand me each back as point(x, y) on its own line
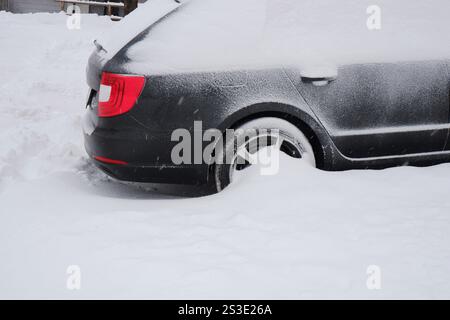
point(301, 234)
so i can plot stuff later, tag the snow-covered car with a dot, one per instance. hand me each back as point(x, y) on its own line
point(344, 95)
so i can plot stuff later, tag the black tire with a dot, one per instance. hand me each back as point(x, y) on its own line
point(294, 143)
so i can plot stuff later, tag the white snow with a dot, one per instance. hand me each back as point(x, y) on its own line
point(224, 34)
point(133, 24)
point(301, 234)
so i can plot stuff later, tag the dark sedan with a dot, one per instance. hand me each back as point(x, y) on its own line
point(360, 115)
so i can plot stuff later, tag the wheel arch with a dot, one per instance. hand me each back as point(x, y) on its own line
point(311, 128)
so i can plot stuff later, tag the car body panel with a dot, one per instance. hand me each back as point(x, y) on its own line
point(142, 137)
point(376, 110)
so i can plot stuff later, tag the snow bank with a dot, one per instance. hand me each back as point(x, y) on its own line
point(224, 34)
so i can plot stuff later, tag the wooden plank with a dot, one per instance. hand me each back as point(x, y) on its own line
point(94, 3)
point(4, 5)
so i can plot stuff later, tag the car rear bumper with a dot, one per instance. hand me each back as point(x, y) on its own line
point(136, 154)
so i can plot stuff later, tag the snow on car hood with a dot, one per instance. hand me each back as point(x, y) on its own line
point(223, 34)
point(134, 23)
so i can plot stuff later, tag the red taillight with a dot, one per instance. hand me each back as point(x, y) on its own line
point(118, 93)
point(110, 161)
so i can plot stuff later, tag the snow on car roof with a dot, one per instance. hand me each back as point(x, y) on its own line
point(222, 34)
point(137, 21)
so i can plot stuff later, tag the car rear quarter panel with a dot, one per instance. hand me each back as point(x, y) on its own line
point(220, 100)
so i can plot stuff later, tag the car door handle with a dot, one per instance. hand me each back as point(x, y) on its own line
point(319, 75)
point(318, 81)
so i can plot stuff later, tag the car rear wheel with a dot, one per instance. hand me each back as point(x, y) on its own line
point(255, 136)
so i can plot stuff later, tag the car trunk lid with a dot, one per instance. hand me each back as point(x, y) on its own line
point(124, 32)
